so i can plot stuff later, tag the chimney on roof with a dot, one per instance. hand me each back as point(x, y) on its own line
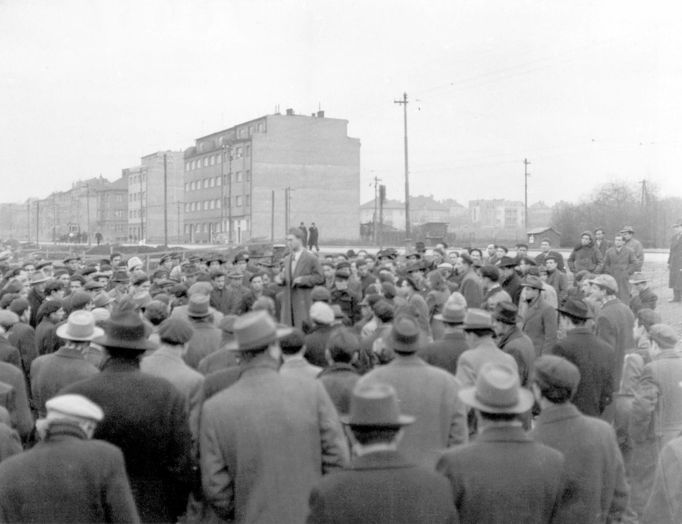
point(290, 112)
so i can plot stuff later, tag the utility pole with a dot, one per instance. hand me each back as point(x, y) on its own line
point(272, 218)
point(37, 223)
point(222, 190)
point(526, 163)
point(165, 201)
point(87, 210)
point(382, 199)
point(28, 220)
point(376, 205)
point(229, 195)
point(404, 103)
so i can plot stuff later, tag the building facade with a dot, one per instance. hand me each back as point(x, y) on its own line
point(496, 213)
point(155, 198)
point(254, 180)
point(112, 212)
point(14, 221)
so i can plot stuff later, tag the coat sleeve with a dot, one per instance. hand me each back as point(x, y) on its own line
point(608, 386)
point(216, 480)
point(664, 502)
point(315, 276)
point(119, 504)
point(571, 261)
point(643, 406)
point(459, 430)
point(465, 372)
point(549, 322)
point(335, 454)
point(606, 331)
point(599, 261)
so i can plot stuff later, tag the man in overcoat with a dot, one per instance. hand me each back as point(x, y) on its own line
point(503, 475)
point(675, 262)
point(262, 468)
point(620, 262)
point(539, 320)
point(145, 417)
point(597, 491)
point(67, 477)
point(380, 485)
point(634, 245)
point(424, 389)
point(300, 274)
point(594, 358)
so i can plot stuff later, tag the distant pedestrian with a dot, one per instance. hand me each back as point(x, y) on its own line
point(586, 256)
point(539, 318)
point(675, 262)
point(642, 296)
point(634, 245)
point(304, 230)
point(98, 237)
point(620, 262)
point(381, 486)
point(313, 237)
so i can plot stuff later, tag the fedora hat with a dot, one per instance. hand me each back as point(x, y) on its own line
point(532, 281)
point(453, 313)
point(575, 307)
point(80, 327)
point(375, 406)
point(198, 306)
point(102, 300)
point(478, 319)
point(605, 281)
point(255, 330)
point(507, 261)
point(38, 277)
point(125, 330)
point(627, 229)
point(506, 312)
point(405, 335)
point(638, 278)
point(497, 390)
point(120, 276)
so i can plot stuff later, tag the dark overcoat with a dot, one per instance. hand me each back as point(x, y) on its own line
point(146, 418)
point(444, 353)
point(595, 474)
point(615, 322)
point(382, 487)
point(596, 361)
point(620, 264)
point(296, 299)
point(503, 476)
point(66, 478)
point(675, 262)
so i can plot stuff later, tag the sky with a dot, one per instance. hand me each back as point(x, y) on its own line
point(588, 92)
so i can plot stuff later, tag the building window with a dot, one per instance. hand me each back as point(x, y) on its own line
point(186, 166)
point(250, 130)
point(219, 158)
point(211, 182)
point(261, 127)
point(248, 150)
point(239, 152)
point(217, 204)
point(248, 175)
point(205, 205)
point(238, 200)
point(212, 162)
point(218, 181)
point(239, 176)
point(211, 204)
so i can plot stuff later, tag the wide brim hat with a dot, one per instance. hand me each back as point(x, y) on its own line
point(575, 308)
point(38, 278)
point(638, 278)
point(405, 335)
point(627, 229)
point(255, 330)
point(452, 314)
point(126, 330)
point(79, 327)
point(477, 319)
point(533, 282)
point(605, 281)
point(497, 390)
point(375, 406)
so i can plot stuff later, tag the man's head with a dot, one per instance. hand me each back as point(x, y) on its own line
point(293, 343)
point(555, 379)
point(586, 238)
point(76, 282)
point(501, 251)
point(256, 282)
point(603, 287)
point(463, 264)
point(490, 275)
point(599, 234)
point(532, 287)
point(115, 260)
point(342, 347)
point(295, 239)
point(619, 241)
point(478, 325)
point(71, 409)
point(545, 245)
point(341, 277)
point(506, 316)
point(627, 232)
point(551, 264)
point(573, 313)
point(218, 279)
point(521, 250)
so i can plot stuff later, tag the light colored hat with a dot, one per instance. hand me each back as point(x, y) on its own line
point(497, 390)
point(478, 319)
point(38, 277)
point(453, 313)
point(605, 281)
point(79, 327)
point(134, 262)
point(663, 335)
point(255, 330)
point(638, 278)
point(75, 406)
point(8, 318)
point(322, 313)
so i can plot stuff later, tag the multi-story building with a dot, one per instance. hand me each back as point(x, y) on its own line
point(254, 180)
point(112, 212)
point(155, 193)
point(14, 221)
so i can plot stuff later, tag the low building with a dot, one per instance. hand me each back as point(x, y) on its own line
point(423, 209)
point(538, 234)
point(14, 221)
point(496, 213)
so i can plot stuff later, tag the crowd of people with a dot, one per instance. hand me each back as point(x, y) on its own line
point(432, 385)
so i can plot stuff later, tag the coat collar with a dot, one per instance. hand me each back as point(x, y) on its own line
point(69, 353)
point(512, 335)
point(380, 460)
point(120, 366)
point(558, 412)
point(339, 368)
point(58, 430)
point(579, 331)
point(409, 360)
point(503, 434)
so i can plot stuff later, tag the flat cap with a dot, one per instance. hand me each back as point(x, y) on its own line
point(606, 282)
point(75, 406)
point(557, 372)
point(663, 335)
point(321, 313)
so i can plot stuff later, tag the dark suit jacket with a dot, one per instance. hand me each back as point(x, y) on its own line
point(146, 418)
point(503, 476)
point(444, 353)
point(23, 337)
point(540, 324)
point(46, 337)
point(595, 474)
point(472, 290)
point(316, 343)
point(339, 381)
point(595, 360)
point(8, 353)
point(520, 346)
point(66, 478)
point(382, 487)
point(614, 322)
point(513, 286)
point(296, 299)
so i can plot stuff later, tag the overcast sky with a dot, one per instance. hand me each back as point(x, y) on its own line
point(588, 91)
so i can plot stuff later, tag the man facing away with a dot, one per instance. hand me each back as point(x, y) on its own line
point(595, 474)
point(67, 477)
point(380, 485)
point(263, 468)
point(503, 475)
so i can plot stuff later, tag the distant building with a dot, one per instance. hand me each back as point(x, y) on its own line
point(423, 209)
point(536, 235)
point(496, 213)
point(539, 214)
point(14, 221)
point(236, 180)
point(111, 220)
point(146, 184)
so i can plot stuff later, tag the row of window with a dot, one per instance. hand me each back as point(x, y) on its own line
point(137, 179)
point(207, 205)
point(242, 132)
point(212, 160)
point(136, 213)
point(136, 197)
point(214, 227)
point(205, 183)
